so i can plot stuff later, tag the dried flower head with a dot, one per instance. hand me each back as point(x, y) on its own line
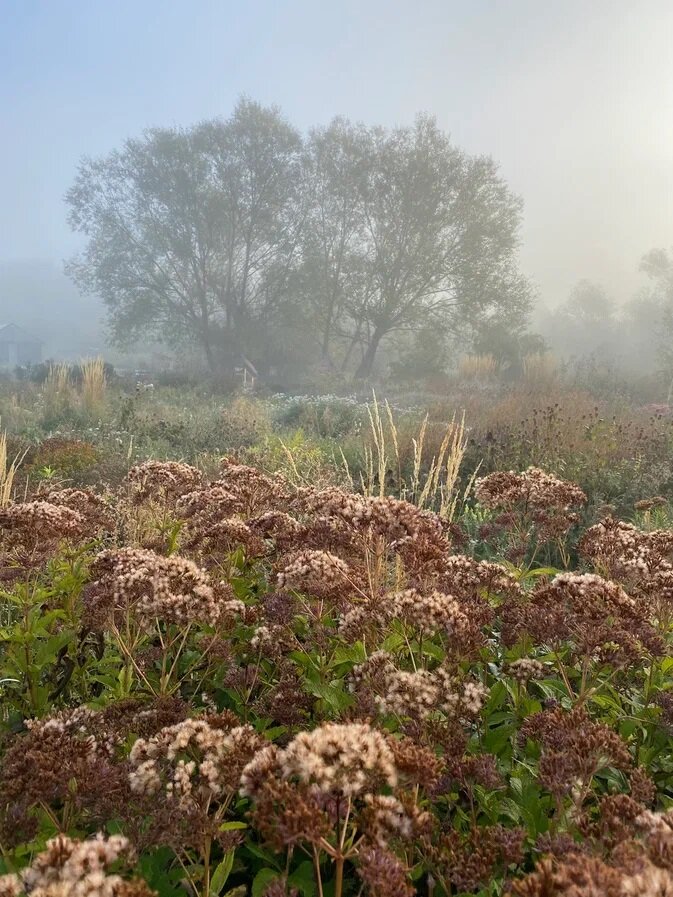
point(70, 868)
point(172, 589)
point(165, 480)
point(318, 573)
point(192, 760)
point(341, 759)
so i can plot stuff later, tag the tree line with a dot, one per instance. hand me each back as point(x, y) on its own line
point(244, 238)
point(636, 336)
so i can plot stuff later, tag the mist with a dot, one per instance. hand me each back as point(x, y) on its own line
point(573, 102)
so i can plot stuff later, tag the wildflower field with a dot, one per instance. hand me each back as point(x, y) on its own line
point(276, 674)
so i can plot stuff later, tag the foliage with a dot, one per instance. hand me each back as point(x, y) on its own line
point(243, 240)
point(268, 686)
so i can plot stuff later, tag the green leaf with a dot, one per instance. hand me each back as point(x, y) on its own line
point(353, 653)
point(334, 695)
point(233, 825)
point(303, 878)
point(221, 873)
point(262, 880)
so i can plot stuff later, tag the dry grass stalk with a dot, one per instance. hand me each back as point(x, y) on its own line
point(540, 368)
point(478, 367)
point(379, 439)
point(93, 383)
point(435, 489)
point(58, 388)
point(7, 471)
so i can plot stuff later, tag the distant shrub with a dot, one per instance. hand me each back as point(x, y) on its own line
point(63, 455)
point(324, 416)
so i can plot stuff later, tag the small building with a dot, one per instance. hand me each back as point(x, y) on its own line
point(18, 347)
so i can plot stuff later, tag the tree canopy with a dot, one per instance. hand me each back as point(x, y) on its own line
point(242, 237)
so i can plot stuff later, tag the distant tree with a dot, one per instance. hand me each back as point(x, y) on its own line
point(260, 206)
point(589, 304)
point(406, 233)
point(658, 301)
point(191, 233)
point(151, 222)
point(585, 325)
point(334, 232)
point(509, 346)
point(240, 238)
point(421, 357)
point(440, 239)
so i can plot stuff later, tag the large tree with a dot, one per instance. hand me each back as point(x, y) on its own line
point(334, 233)
point(191, 233)
point(241, 238)
point(151, 224)
point(257, 185)
point(408, 233)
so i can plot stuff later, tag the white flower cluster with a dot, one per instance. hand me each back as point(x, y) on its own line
point(421, 693)
point(208, 751)
point(429, 613)
point(313, 568)
point(69, 868)
point(172, 588)
point(344, 759)
point(525, 668)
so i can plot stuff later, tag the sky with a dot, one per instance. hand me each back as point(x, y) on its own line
point(574, 99)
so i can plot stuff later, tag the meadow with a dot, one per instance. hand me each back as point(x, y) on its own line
point(330, 647)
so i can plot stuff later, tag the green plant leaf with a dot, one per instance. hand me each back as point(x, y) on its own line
point(221, 873)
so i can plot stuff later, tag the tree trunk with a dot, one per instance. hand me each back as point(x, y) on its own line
point(365, 367)
point(208, 351)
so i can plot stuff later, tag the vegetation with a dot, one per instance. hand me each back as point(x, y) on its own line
point(360, 657)
point(242, 239)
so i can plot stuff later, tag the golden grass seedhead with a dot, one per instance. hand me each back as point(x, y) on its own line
point(478, 367)
point(7, 471)
point(93, 382)
point(540, 368)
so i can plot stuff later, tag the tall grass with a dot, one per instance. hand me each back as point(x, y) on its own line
point(58, 390)
point(93, 384)
point(478, 367)
point(7, 471)
point(540, 369)
point(434, 480)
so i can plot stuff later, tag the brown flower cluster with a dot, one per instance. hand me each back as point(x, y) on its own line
point(314, 572)
point(71, 759)
point(95, 510)
point(31, 531)
point(640, 865)
point(325, 789)
point(624, 552)
point(574, 749)
point(172, 589)
point(469, 862)
point(591, 616)
point(532, 499)
point(641, 561)
point(220, 538)
point(254, 490)
point(162, 481)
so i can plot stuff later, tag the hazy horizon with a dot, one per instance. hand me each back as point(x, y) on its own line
point(574, 101)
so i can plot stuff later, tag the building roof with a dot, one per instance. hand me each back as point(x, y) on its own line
point(11, 331)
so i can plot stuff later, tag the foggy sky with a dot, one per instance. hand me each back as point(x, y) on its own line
point(574, 99)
